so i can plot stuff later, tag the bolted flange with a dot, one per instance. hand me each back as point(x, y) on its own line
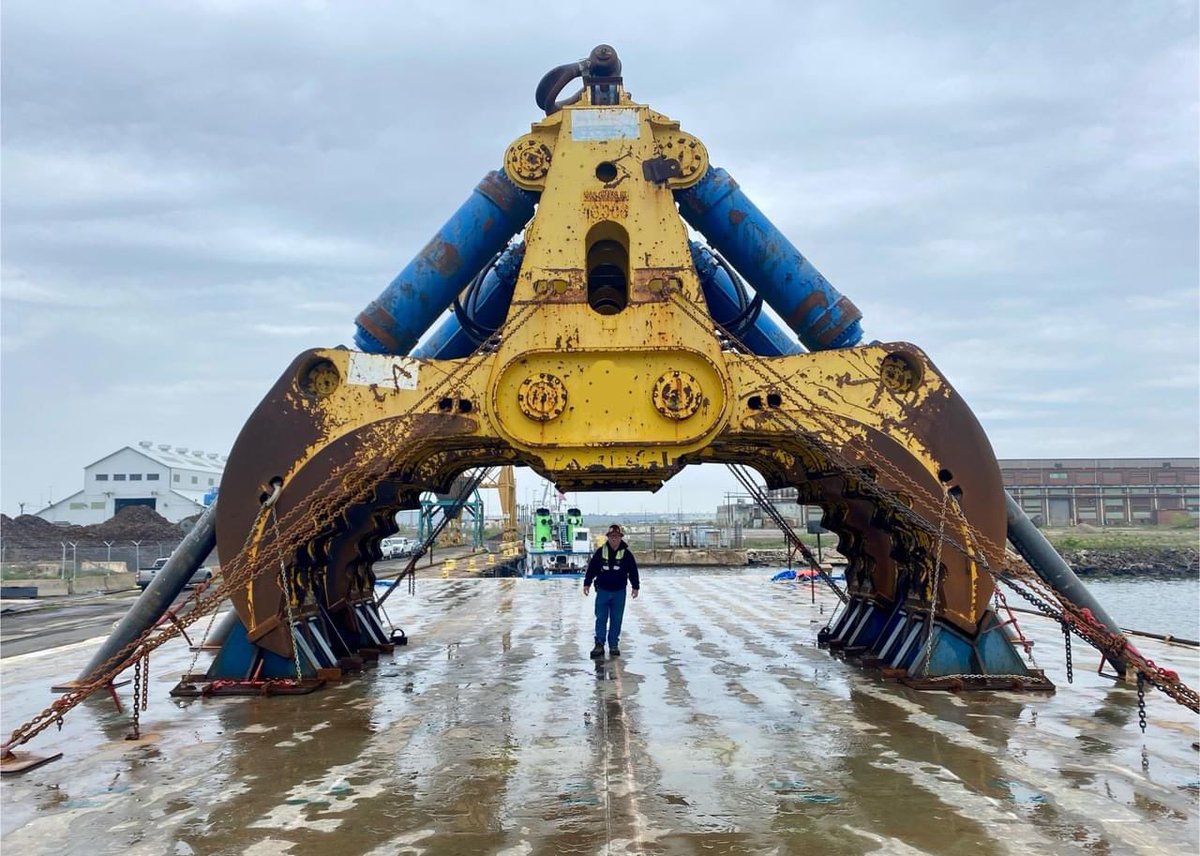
point(542, 397)
point(900, 372)
point(676, 395)
point(529, 158)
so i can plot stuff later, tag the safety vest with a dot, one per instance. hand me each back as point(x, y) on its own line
point(610, 562)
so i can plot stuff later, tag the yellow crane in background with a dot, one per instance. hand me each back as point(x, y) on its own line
point(505, 484)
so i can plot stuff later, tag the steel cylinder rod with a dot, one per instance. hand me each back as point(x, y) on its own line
point(1053, 569)
point(154, 602)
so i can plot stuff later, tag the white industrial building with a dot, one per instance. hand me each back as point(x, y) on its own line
point(174, 481)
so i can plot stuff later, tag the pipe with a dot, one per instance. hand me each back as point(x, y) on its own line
point(160, 594)
point(764, 337)
point(1054, 570)
point(821, 316)
point(489, 308)
point(1161, 637)
point(394, 321)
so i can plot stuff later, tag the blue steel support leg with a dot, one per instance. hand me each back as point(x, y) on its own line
point(718, 209)
point(396, 319)
point(488, 309)
point(762, 335)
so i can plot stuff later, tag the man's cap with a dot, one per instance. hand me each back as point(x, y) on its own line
point(616, 527)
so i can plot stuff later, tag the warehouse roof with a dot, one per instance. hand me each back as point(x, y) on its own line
point(175, 457)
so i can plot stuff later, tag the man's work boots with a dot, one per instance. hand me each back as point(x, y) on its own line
point(598, 651)
point(614, 652)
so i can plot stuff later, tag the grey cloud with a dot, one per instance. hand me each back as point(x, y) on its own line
point(216, 186)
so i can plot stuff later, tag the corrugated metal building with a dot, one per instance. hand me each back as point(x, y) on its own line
point(176, 482)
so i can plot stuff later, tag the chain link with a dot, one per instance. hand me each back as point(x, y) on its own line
point(1066, 631)
point(1141, 702)
point(137, 706)
point(937, 582)
point(146, 680)
point(285, 584)
point(1114, 646)
point(1034, 589)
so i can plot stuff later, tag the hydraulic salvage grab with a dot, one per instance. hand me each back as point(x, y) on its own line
point(607, 352)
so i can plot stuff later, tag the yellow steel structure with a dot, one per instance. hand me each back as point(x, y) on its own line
point(610, 374)
point(505, 484)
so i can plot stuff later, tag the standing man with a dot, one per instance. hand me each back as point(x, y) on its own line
point(612, 567)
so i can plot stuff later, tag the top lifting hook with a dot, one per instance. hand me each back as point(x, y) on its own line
point(601, 70)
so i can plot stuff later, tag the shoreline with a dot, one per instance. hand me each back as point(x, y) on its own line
point(1130, 562)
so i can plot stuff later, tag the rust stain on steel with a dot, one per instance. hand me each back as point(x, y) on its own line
point(377, 321)
point(444, 257)
point(496, 187)
point(736, 216)
point(850, 314)
point(815, 300)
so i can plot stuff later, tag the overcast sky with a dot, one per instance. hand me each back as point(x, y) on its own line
point(193, 193)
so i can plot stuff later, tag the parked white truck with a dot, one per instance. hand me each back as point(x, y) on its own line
point(145, 575)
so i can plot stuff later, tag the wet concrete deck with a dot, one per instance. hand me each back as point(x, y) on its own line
point(723, 729)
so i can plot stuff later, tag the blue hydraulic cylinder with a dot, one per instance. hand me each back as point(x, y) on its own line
point(393, 322)
point(488, 309)
point(822, 317)
point(764, 337)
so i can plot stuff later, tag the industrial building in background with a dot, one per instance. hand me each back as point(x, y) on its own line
point(1052, 491)
point(174, 481)
point(1105, 491)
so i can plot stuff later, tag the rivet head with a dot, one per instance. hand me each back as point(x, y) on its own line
point(542, 397)
point(676, 394)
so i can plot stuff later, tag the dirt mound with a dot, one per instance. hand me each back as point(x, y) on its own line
point(133, 523)
point(30, 531)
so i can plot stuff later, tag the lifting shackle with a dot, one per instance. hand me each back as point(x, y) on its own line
point(601, 70)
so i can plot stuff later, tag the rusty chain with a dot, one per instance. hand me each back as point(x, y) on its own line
point(137, 707)
point(1082, 622)
point(1066, 632)
point(1022, 579)
point(937, 581)
point(316, 515)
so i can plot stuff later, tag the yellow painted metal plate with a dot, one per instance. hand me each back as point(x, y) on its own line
point(610, 399)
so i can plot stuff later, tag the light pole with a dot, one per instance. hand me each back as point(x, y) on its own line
point(137, 555)
point(108, 555)
point(62, 567)
point(74, 566)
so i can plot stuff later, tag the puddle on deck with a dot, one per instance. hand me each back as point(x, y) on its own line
point(722, 729)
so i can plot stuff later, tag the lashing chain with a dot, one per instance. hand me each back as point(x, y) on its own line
point(1141, 695)
point(297, 527)
point(1080, 619)
point(1066, 631)
point(1084, 625)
